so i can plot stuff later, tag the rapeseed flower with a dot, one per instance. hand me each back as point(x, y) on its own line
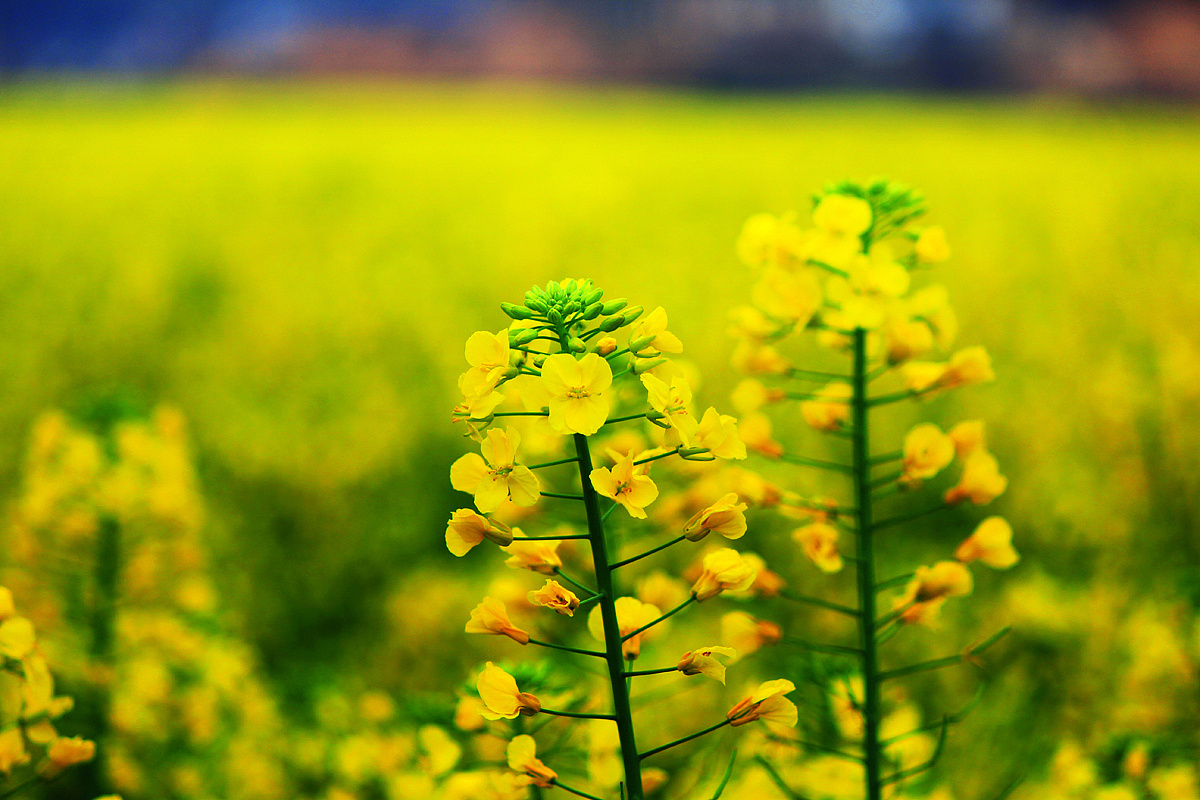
point(522, 758)
point(467, 529)
point(491, 617)
point(672, 401)
point(555, 596)
point(991, 543)
point(502, 698)
point(495, 476)
point(626, 484)
point(766, 703)
point(631, 615)
point(819, 542)
point(747, 634)
point(724, 570)
point(726, 516)
point(652, 335)
point(930, 588)
point(577, 392)
point(719, 435)
point(832, 408)
point(926, 452)
point(703, 661)
point(535, 556)
point(981, 481)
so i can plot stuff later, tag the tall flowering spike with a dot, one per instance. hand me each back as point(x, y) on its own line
point(491, 617)
point(467, 529)
point(627, 485)
point(578, 391)
point(501, 697)
point(522, 758)
point(726, 516)
point(991, 543)
point(495, 476)
point(766, 703)
point(724, 570)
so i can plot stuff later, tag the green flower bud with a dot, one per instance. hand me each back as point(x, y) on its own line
point(516, 311)
point(537, 305)
point(613, 306)
point(592, 311)
point(611, 324)
point(568, 286)
point(576, 345)
point(640, 343)
point(639, 368)
point(592, 296)
point(555, 316)
point(632, 314)
point(523, 337)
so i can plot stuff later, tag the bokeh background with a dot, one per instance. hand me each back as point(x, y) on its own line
point(257, 234)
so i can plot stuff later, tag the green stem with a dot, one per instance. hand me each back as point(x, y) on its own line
point(687, 738)
point(659, 671)
point(797, 372)
point(816, 601)
point(563, 497)
point(899, 580)
point(804, 461)
point(553, 463)
point(104, 641)
point(902, 518)
point(567, 649)
point(648, 459)
point(652, 623)
point(573, 582)
point(887, 458)
point(622, 419)
point(832, 649)
point(521, 414)
point(613, 655)
point(860, 414)
point(576, 715)
point(777, 779)
point(886, 479)
point(649, 552)
point(549, 538)
point(565, 788)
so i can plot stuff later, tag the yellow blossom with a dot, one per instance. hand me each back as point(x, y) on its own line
point(748, 634)
point(627, 485)
point(66, 752)
point(751, 325)
point(766, 583)
point(726, 517)
point(906, 338)
point(522, 758)
point(487, 351)
point(606, 345)
point(661, 590)
point(926, 452)
point(967, 367)
point(654, 327)
point(832, 410)
point(490, 616)
point(767, 703)
point(792, 297)
point(502, 698)
point(968, 437)
point(719, 435)
point(724, 570)
point(17, 638)
point(750, 395)
point(931, 245)
point(467, 529)
point(845, 700)
point(12, 749)
point(754, 430)
point(554, 595)
point(537, 556)
point(981, 481)
point(468, 714)
point(495, 476)
point(922, 376)
point(441, 751)
point(672, 401)
point(932, 305)
point(991, 543)
point(819, 541)
point(577, 390)
point(631, 615)
point(703, 661)
point(755, 358)
point(842, 215)
point(480, 397)
point(767, 240)
point(930, 588)
point(7, 607)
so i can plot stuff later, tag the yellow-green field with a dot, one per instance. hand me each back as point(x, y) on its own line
point(296, 268)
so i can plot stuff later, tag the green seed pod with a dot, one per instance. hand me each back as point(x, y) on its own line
point(609, 325)
point(516, 311)
point(632, 314)
point(640, 343)
point(523, 337)
point(613, 306)
point(592, 311)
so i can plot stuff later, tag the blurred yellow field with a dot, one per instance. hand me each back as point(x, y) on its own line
point(288, 273)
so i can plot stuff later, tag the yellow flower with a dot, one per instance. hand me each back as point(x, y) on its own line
point(468, 714)
point(842, 215)
point(627, 485)
point(467, 529)
point(673, 401)
point(654, 327)
point(969, 366)
point(751, 325)
point(819, 541)
point(726, 516)
point(768, 240)
point(63, 753)
point(968, 437)
point(7, 607)
point(926, 452)
point(480, 397)
point(631, 615)
point(605, 345)
point(846, 704)
point(930, 588)
point(554, 595)
point(766, 583)
point(750, 395)
point(793, 297)
point(577, 392)
point(661, 590)
point(981, 481)
point(991, 543)
point(906, 338)
point(830, 412)
point(724, 570)
point(932, 304)
point(754, 430)
point(718, 433)
point(495, 476)
point(17, 638)
point(487, 351)
point(921, 376)
point(522, 758)
point(441, 751)
point(12, 749)
point(535, 556)
point(704, 662)
point(767, 703)
point(755, 358)
point(748, 634)
point(490, 616)
point(500, 694)
point(931, 245)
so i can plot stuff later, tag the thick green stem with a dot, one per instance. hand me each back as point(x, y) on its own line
point(860, 413)
point(608, 615)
